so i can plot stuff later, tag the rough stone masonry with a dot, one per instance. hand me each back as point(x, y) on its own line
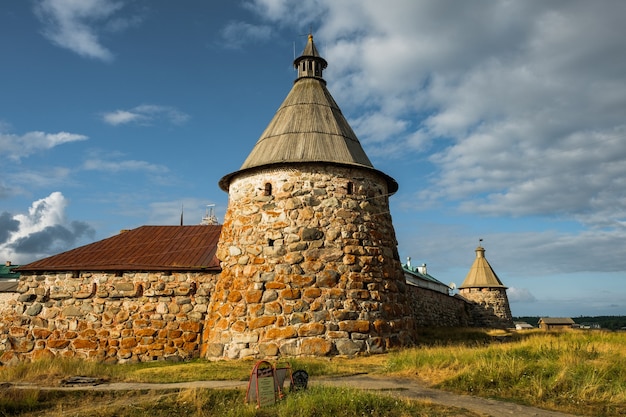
point(133, 317)
point(308, 269)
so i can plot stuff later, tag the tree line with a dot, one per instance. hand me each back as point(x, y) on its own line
point(605, 322)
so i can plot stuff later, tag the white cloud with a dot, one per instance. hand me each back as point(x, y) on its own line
point(42, 231)
point(521, 103)
point(520, 295)
point(42, 213)
point(77, 25)
point(44, 178)
point(122, 166)
point(169, 113)
point(378, 127)
point(145, 114)
point(237, 34)
point(17, 147)
point(287, 11)
point(119, 117)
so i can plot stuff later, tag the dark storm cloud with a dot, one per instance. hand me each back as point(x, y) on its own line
point(7, 225)
point(53, 239)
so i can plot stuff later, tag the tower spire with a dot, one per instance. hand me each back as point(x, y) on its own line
point(308, 127)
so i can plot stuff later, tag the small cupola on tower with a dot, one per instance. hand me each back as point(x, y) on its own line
point(310, 63)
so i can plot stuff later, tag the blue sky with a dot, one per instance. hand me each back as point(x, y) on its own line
point(500, 120)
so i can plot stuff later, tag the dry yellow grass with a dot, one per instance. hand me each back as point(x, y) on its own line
point(572, 371)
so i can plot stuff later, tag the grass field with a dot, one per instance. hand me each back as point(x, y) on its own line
point(579, 372)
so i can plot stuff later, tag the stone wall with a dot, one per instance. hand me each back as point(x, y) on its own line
point(309, 266)
point(156, 316)
point(434, 309)
point(132, 317)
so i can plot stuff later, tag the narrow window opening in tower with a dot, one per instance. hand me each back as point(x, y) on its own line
point(350, 187)
point(270, 242)
point(310, 65)
point(268, 189)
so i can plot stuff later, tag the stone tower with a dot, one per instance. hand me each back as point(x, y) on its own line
point(483, 288)
point(308, 251)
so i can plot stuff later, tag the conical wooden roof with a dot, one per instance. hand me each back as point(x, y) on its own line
point(481, 275)
point(308, 127)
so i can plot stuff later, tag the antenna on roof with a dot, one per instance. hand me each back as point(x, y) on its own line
point(182, 210)
point(209, 218)
point(294, 46)
point(306, 34)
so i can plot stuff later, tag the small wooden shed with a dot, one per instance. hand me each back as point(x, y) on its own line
point(555, 323)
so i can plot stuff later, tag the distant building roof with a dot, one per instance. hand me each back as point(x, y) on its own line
point(556, 320)
point(7, 271)
point(424, 276)
point(414, 275)
point(481, 275)
point(146, 248)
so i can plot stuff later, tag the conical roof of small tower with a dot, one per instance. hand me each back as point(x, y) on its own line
point(308, 127)
point(481, 275)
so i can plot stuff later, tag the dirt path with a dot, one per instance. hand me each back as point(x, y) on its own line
point(392, 386)
point(412, 389)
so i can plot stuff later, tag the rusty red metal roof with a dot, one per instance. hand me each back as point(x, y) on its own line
point(146, 248)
